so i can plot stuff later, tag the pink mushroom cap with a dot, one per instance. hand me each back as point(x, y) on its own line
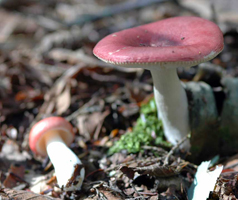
point(46, 126)
point(182, 41)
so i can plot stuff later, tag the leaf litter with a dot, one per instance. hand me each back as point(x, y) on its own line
point(47, 68)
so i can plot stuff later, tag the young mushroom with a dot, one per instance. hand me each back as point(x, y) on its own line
point(51, 136)
point(161, 47)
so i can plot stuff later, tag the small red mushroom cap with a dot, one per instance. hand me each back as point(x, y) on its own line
point(44, 127)
point(182, 41)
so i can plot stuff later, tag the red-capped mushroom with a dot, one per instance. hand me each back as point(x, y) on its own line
point(161, 47)
point(51, 136)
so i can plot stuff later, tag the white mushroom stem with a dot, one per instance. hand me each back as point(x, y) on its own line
point(172, 104)
point(64, 161)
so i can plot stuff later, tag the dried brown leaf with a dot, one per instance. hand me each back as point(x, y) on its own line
point(226, 188)
point(152, 170)
point(7, 194)
point(63, 101)
point(129, 172)
point(89, 125)
point(109, 195)
point(30, 95)
point(232, 163)
point(16, 174)
point(105, 195)
point(50, 97)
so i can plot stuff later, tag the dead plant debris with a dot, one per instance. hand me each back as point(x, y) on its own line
point(47, 68)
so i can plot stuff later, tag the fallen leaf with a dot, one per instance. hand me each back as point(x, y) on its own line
point(63, 100)
point(16, 174)
point(129, 172)
point(7, 194)
point(89, 124)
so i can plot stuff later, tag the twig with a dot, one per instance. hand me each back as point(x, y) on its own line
point(80, 56)
point(115, 9)
point(82, 110)
point(159, 149)
point(98, 184)
point(166, 161)
point(132, 185)
point(100, 124)
point(139, 162)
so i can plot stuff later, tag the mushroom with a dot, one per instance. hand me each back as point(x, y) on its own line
point(161, 47)
point(51, 136)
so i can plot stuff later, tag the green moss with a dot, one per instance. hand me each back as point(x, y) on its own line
point(147, 131)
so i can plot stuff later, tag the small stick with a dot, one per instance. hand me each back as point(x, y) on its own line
point(166, 161)
point(132, 185)
point(115, 9)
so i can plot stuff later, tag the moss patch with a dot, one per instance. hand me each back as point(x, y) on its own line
point(147, 131)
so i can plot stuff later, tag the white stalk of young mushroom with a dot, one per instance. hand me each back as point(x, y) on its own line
point(64, 161)
point(172, 104)
point(51, 136)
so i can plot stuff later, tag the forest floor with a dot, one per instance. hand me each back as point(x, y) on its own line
point(47, 68)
